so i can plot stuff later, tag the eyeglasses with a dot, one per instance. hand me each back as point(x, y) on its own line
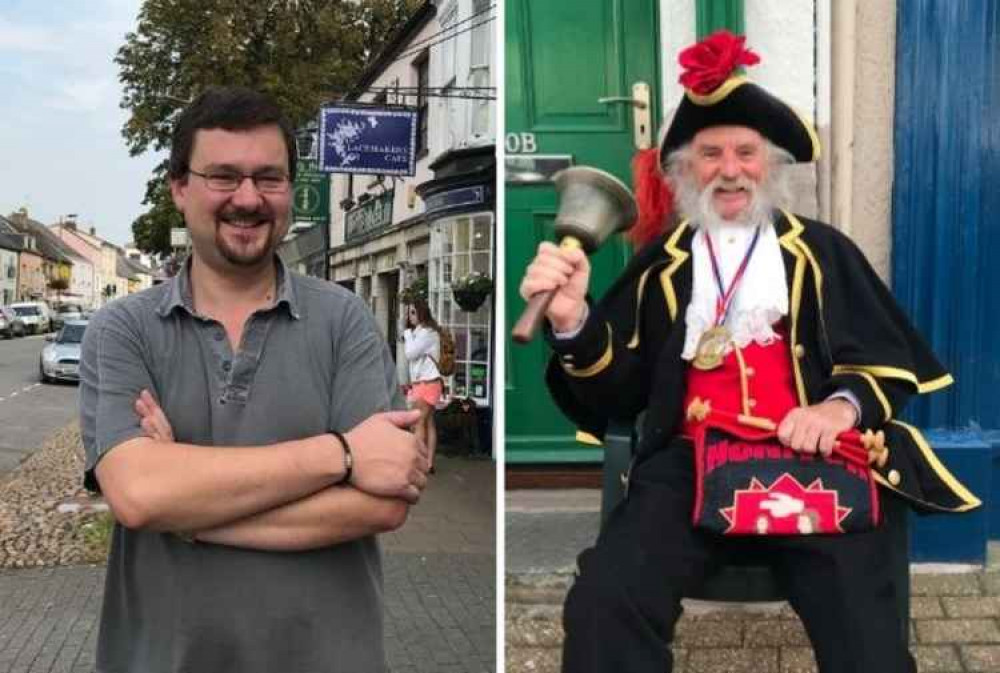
point(226, 181)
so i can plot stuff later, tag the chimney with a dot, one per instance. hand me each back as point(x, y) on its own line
point(93, 231)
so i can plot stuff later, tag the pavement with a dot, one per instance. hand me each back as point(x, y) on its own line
point(954, 620)
point(440, 589)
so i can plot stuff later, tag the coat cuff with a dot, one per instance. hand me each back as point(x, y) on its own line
point(876, 410)
point(588, 352)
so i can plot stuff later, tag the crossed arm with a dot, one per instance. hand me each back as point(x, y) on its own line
point(279, 497)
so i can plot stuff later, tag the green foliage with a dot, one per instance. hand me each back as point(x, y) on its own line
point(151, 230)
point(301, 52)
point(96, 534)
point(416, 291)
point(475, 282)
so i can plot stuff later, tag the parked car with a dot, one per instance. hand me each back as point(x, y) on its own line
point(60, 359)
point(37, 315)
point(11, 324)
point(64, 313)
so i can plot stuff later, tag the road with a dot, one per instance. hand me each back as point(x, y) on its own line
point(29, 410)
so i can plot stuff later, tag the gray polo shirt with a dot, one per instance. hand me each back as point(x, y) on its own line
point(315, 361)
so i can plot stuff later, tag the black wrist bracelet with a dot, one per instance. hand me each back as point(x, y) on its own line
point(348, 458)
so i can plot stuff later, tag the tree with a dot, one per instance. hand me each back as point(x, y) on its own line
point(151, 230)
point(58, 285)
point(300, 52)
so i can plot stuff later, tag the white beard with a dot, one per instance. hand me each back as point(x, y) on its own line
point(697, 204)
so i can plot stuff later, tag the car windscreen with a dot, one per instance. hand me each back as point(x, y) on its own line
point(26, 310)
point(71, 334)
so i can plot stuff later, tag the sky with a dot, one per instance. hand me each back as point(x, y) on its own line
point(61, 148)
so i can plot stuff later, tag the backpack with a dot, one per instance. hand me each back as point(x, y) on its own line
point(446, 363)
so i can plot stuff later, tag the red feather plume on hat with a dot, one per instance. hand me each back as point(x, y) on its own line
point(653, 197)
point(707, 65)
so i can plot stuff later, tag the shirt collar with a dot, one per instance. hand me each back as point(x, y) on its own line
point(179, 295)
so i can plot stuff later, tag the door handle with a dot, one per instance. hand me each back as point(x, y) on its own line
point(641, 104)
point(642, 127)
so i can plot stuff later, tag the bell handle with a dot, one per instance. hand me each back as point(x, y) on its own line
point(534, 312)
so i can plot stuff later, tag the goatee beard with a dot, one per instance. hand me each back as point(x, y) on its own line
point(252, 257)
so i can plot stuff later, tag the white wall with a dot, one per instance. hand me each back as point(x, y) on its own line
point(677, 30)
point(784, 35)
point(8, 260)
point(81, 282)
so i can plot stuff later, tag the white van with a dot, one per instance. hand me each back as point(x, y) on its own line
point(37, 315)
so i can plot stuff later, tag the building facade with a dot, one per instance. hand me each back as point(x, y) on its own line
point(31, 274)
point(56, 259)
point(10, 249)
point(437, 226)
point(106, 284)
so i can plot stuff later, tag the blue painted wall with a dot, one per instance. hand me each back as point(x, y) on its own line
point(946, 199)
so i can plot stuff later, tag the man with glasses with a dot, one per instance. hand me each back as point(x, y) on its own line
point(239, 420)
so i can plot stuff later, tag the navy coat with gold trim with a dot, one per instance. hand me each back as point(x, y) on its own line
point(845, 331)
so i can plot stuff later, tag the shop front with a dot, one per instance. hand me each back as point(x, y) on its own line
point(460, 214)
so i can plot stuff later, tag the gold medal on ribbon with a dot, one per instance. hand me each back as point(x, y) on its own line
point(711, 348)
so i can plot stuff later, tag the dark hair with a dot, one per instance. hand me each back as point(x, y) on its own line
point(424, 316)
point(233, 108)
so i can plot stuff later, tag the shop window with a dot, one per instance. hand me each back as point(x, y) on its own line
point(460, 245)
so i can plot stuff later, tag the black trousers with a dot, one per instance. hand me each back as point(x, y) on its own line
point(621, 611)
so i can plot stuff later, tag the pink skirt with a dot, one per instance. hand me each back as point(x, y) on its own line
point(428, 391)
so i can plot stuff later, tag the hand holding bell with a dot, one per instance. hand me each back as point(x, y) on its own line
point(592, 206)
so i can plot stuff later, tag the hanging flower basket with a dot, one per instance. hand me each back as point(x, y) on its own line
point(469, 301)
point(416, 291)
point(471, 291)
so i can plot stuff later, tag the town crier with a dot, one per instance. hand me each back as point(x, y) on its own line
point(768, 363)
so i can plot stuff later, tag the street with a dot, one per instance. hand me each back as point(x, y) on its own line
point(29, 410)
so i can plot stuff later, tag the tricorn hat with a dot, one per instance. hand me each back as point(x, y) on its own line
point(718, 94)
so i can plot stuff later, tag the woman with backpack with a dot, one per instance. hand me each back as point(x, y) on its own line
point(422, 346)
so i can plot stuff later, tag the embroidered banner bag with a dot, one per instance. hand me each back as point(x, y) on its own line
point(748, 483)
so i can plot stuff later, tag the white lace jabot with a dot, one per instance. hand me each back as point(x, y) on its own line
point(761, 298)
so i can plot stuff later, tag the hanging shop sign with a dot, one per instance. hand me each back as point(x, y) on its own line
point(461, 198)
point(311, 201)
point(369, 140)
point(371, 216)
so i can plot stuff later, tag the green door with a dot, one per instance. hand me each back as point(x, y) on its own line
point(561, 58)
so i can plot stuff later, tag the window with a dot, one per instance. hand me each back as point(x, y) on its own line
point(460, 245)
point(447, 43)
point(421, 65)
point(479, 68)
point(451, 130)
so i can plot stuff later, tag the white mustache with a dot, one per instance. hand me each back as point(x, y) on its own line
point(731, 185)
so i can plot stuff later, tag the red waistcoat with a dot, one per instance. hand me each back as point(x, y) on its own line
point(753, 381)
